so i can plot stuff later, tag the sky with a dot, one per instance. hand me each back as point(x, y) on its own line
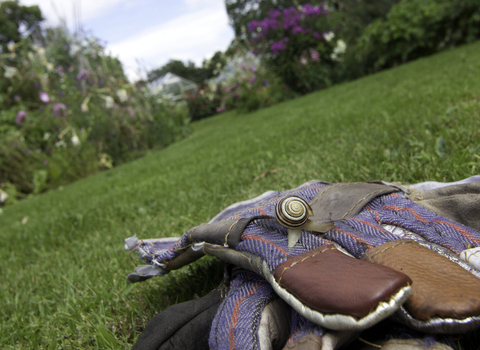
point(145, 34)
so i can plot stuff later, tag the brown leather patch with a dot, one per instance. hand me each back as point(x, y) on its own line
point(329, 281)
point(440, 287)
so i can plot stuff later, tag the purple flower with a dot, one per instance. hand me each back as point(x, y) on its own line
point(278, 46)
point(21, 115)
point(59, 110)
point(253, 69)
point(274, 13)
point(298, 29)
point(221, 109)
point(16, 97)
point(44, 97)
point(59, 70)
point(83, 74)
point(317, 35)
point(36, 85)
point(251, 80)
point(266, 83)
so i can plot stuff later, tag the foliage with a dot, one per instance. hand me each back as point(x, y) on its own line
point(205, 101)
point(356, 15)
point(243, 84)
point(299, 45)
point(63, 271)
point(67, 111)
point(417, 28)
point(248, 85)
point(16, 22)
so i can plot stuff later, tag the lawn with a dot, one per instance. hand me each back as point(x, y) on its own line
point(63, 266)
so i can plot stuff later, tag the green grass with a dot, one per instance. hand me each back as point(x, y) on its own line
point(63, 271)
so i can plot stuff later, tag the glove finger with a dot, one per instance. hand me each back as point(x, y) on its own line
point(237, 322)
point(181, 326)
point(306, 335)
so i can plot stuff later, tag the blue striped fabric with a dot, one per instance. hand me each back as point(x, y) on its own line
point(238, 318)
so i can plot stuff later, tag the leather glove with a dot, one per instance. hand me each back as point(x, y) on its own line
point(315, 266)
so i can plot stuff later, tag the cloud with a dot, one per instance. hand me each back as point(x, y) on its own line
point(199, 29)
point(55, 10)
point(192, 36)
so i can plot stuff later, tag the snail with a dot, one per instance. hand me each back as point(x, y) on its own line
point(293, 213)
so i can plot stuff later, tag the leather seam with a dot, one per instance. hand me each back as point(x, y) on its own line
point(369, 194)
point(230, 252)
point(329, 188)
point(396, 244)
point(298, 262)
point(226, 236)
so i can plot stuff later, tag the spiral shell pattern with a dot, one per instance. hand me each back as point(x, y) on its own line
point(292, 212)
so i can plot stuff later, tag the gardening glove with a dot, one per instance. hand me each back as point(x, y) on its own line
point(358, 219)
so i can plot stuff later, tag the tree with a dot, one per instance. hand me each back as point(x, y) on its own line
point(17, 21)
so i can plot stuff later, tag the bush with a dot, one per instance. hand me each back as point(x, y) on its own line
point(67, 111)
point(205, 101)
point(417, 28)
point(300, 45)
point(248, 85)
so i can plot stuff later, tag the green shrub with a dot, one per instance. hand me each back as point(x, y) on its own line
point(67, 110)
point(300, 45)
point(417, 28)
point(249, 85)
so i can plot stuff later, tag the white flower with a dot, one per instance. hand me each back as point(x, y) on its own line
point(3, 196)
point(340, 48)
point(109, 102)
point(59, 143)
point(10, 72)
point(40, 51)
point(11, 46)
point(122, 95)
point(75, 140)
point(329, 36)
point(49, 66)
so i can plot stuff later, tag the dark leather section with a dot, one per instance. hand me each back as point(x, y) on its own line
point(182, 326)
point(440, 287)
point(460, 203)
point(221, 232)
point(329, 281)
point(307, 342)
point(341, 201)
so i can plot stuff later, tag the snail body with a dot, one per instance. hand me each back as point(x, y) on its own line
point(293, 213)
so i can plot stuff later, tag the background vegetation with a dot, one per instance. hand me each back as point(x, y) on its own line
point(63, 264)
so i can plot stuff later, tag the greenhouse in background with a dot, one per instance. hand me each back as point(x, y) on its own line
point(171, 86)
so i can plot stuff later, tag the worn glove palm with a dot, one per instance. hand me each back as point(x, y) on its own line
point(345, 268)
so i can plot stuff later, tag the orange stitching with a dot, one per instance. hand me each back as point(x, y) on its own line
point(298, 262)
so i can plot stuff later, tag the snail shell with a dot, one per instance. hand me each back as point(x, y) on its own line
point(292, 212)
